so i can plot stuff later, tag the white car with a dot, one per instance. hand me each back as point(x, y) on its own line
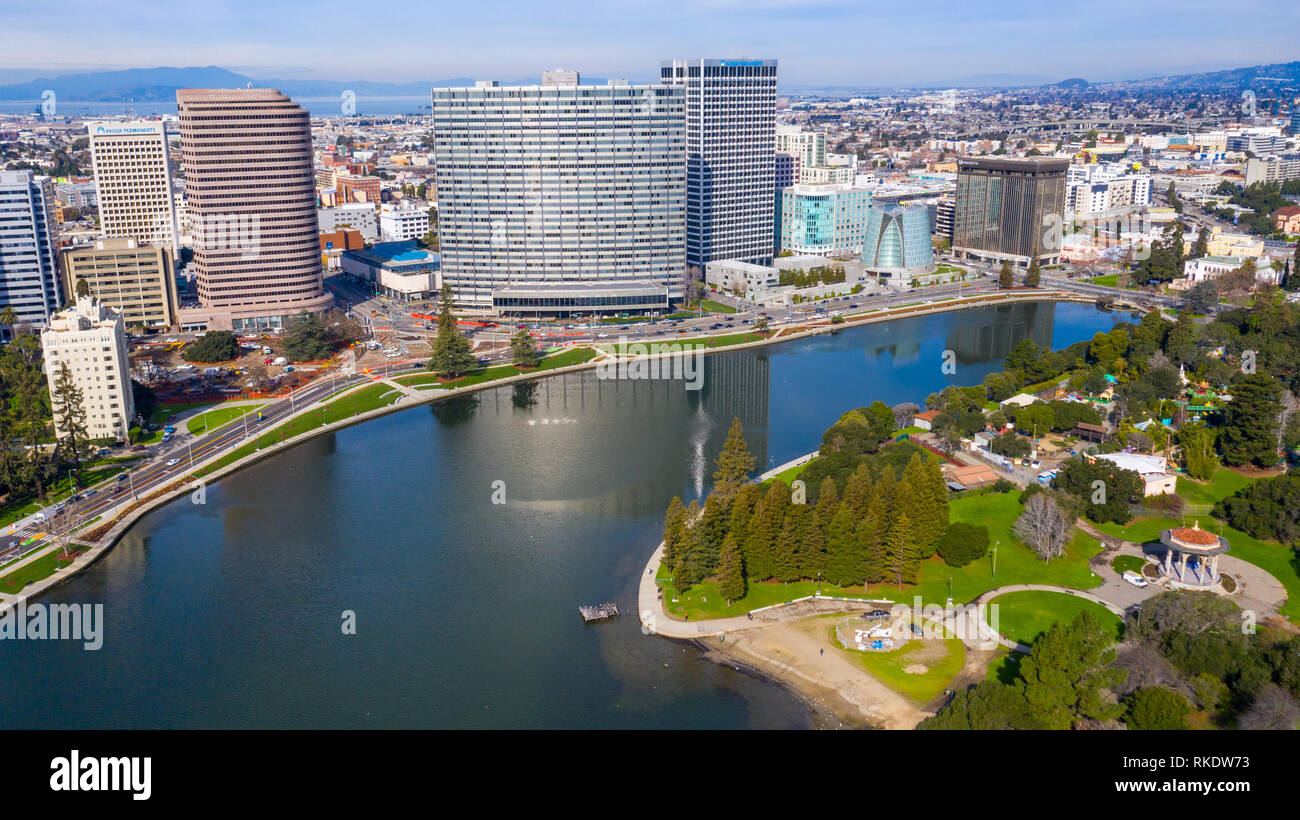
point(1134, 578)
point(172, 462)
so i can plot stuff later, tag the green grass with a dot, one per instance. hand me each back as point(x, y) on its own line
point(718, 307)
point(1204, 495)
point(37, 570)
point(60, 490)
point(160, 414)
point(1126, 563)
point(573, 356)
point(1110, 280)
point(791, 474)
point(887, 667)
point(703, 602)
point(215, 419)
point(1023, 616)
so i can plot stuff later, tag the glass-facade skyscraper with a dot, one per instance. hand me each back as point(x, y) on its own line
point(29, 280)
point(898, 242)
point(731, 164)
point(580, 188)
point(1009, 210)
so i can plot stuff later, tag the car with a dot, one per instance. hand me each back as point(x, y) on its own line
point(40, 516)
point(120, 477)
point(172, 462)
point(1134, 578)
point(89, 493)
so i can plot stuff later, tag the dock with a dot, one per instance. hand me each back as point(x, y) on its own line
point(599, 612)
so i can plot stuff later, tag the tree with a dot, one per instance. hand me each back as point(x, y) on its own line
point(1103, 489)
point(761, 325)
point(674, 530)
point(1068, 673)
point(68, 404)
point(213, 346)
point(83, 288)
point(524, 350)
point(1156, 708)
point(1268, 508)
point(452, 355)
point(307, 339)
point(1201, 247)
point(1201, 297)
point(734, 462)
point(1033, 275)
point(1196, 442)
point(1006, 278)
point(1043, 526)
point(1250, 426)
point(731, 572)
point(962, 543)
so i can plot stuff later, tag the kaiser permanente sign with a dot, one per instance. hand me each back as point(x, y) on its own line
point(113, 129)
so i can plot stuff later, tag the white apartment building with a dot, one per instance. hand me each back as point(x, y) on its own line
point(827, 175)
point(807, 149)
point(360, 216)
point(401, 221)
point(133, 179)
point(1100, 187)
point(731, 164)
point(91, 340)
point(29, 271)
point(563, 184)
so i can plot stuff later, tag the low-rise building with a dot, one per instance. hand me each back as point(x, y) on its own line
point(360, 216)
point(90, 340)
point(1287, 220)
point(399, 270)
point(1156, 479)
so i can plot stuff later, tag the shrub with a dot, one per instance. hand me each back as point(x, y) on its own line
point(962, 543)
point(215, 346)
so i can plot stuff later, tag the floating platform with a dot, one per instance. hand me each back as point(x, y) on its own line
point(599, 612)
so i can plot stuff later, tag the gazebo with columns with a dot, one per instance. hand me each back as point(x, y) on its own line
point(1192, 556)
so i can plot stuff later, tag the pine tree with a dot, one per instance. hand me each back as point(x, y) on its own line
point(1033, 275)
point(734, 462)
point(742, 510)
point(731, 572)
point(828, 498)
point(709, 532)
point(452, 355)
point(785, 557)
point(842, 558)
point(69, 408)
point(1006, 278)
point(857, 490)
point(900, 555)
point(523, 349)
point(812, 544)
point(674, 530)
point(873, 541)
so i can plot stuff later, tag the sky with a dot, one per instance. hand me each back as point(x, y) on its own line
point(818, 42)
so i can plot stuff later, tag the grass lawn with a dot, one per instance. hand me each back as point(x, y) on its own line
point(61, 489)
point(160, 414)
point(221, 416)
point(911, 431)
point(37, 570)
point(1125, 563)
point(1110, 281)
point(1016, 564)
point(888, 667)
point(1023, 616)
point(711, 306)
point(791, 474)
point(576, 355)
point(1202, 496)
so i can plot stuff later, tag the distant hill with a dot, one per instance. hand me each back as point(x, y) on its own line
point(1272, 76)
point(1073, 82)
point(160, 85)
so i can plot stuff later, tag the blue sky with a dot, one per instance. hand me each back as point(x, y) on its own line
point(819, 42)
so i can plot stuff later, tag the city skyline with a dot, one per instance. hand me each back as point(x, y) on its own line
point(820, 42)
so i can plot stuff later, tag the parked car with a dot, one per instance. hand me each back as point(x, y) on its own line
point(1134, 578)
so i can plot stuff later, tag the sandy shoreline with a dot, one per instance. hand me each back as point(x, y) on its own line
point(841, 694)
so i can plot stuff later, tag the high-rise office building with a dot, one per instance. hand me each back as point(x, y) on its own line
point(731, 164)
point(1010, 210)
point(132, 278)
point(251, 197)
point(1295, 116)
point(898, 242)
point(561, 198)
point(133, 180)
point(29, 278)
point(90, 340)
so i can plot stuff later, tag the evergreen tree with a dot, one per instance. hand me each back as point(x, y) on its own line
point(452, 356)
point(674, 530)
point(68, 405)
point(1201, 247)
point(709, 532)
point(785, 558)
point(731, 571)
point(523, 349)
point(1033, 275)
point(812, 541)
point(742, 511)
point(1249, 432)
point(842, 554)
point(901, 556)
point(734, 462)
point(828, 498)
point(857, 490)
point(873, 542)
point(1006, 278)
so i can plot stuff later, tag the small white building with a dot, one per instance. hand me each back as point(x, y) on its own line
point(1153, 470)
point(399, 222)
point(1019, 400)
point(90, 340)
